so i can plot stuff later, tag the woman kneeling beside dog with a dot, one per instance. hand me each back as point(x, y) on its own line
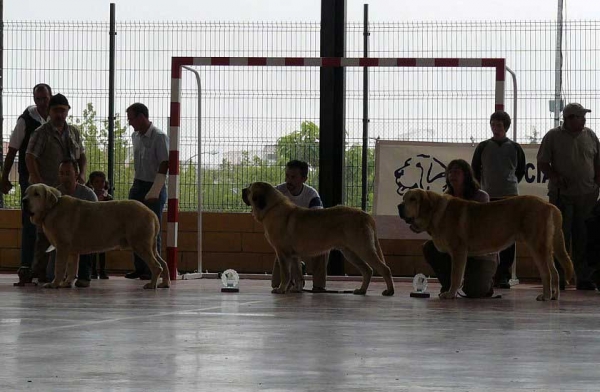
point(480, 270)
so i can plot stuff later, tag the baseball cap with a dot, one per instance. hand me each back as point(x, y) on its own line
point(575, 108)
point(59, 100)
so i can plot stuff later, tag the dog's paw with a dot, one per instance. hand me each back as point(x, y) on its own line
point(65, 284)
point(150, 286)
point(277, 290)
point(50, 285)
point(447, 295)
point(542, 298)
point(360, 292)
point(163, 285)
point(388, 292)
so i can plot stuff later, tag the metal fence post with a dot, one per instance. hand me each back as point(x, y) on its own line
point(111, 101)
point(1, 92)
point(365, 146)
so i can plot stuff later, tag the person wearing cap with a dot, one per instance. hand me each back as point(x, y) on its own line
point(151, 163)
point(52, 142)
point(569, 157)
point(49, 145)
point(32, 118)
point(499, 166)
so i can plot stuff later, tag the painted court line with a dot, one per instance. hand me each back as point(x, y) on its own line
point(118, 319)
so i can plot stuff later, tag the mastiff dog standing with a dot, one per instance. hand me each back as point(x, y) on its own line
point(76, 227)
point(460, 228)
point(295, 232)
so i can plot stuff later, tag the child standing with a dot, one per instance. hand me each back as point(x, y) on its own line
point(97, 181)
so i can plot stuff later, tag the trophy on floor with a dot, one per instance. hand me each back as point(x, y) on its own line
point(419, 286)
point(230, 280)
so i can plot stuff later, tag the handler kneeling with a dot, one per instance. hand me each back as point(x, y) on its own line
point(480, 270)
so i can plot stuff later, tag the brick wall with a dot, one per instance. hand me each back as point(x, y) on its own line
point(232, 240)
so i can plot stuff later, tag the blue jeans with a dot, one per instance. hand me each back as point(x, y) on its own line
point(83, 272)
point(28, 233)
point(138, 192)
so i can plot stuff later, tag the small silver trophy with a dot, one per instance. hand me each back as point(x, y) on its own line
point(419, 286)
point(230, 280)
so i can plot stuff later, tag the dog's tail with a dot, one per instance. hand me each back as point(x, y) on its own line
point(378, 247)
point(558, 244)
point(373, 230)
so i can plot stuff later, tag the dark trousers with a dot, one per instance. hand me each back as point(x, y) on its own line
point(41, 257)
point(575, 211)
point(138, 192)
point(28, 233)
point(479, 271)
point(507, 258)
point(99, 260)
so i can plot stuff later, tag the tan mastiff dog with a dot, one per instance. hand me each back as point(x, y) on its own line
point(76, 227)
point(460, 228)
point(295, 232)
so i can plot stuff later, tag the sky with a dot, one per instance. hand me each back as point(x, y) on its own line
point(299, 10)
point(296, 11)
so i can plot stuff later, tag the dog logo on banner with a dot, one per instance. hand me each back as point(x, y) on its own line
point(422, 171)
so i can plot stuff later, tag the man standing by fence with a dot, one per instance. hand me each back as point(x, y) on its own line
point(32, 118)
point(51, 143)
point(570, 157)
point(151, 163)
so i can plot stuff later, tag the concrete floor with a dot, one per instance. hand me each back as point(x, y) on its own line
point(114, 336)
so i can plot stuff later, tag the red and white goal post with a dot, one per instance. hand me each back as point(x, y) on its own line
point(178, 64)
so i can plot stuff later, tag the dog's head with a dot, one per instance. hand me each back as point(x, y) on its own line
point(261, 196)
point(417, 208)
point(38, 200)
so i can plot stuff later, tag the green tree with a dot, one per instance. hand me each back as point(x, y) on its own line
point(302, 144)
point(123, 158)
point(95, 138)
point(353, 176)
point(222, 186)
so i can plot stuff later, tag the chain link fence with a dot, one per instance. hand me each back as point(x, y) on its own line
point(254, 120)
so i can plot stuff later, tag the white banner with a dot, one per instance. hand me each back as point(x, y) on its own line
point(401, 166)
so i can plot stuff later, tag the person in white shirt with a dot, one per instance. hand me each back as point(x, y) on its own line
point(151, 164)
point(302, 195)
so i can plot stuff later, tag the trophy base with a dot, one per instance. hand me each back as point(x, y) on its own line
point(230, 290)
point(417, 294)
